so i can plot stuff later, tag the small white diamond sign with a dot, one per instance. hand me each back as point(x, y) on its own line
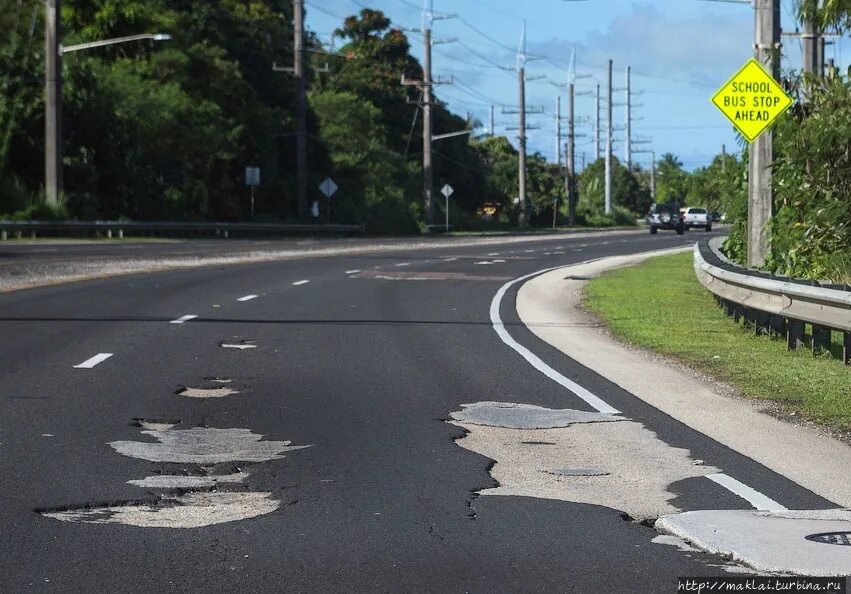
point(328, 187)
point(447, 190)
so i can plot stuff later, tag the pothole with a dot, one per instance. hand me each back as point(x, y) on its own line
point(191, 510)
point(241, 345)
point(526, 416)
point(595, 458)
point(187, 481)
point(204, 445)
point(206, 392)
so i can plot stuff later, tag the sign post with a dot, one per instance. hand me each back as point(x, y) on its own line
point(329, 188)
point(252, 179)
point(447, 191)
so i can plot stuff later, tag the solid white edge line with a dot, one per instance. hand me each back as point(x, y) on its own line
point(591, 399)
point(183, 319)
point(755, 498)
point(247, 298)
point(96, 360)
point(300, 283)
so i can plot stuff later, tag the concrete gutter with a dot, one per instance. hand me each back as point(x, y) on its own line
point(551, 307)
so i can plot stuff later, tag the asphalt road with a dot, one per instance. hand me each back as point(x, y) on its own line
point(364, 363)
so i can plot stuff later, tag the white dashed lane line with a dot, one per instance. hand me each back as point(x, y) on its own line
point(183, 319)
point(247, 298)
point(96, 360)
point(352, 271)
point(300, 283)
point(401, 264)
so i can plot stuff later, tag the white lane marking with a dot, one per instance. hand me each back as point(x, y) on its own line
point(401, 264)
point(247, 298)
point(592, 400)
point(755, 498)
point(493, 254)
point(578, 250)
point(96, 360)
point(183, 319)
point(300, 283)
point(528, 251)
point(352, 271)
point(450, 259)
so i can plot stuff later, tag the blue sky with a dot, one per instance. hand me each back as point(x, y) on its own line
point(680, 52)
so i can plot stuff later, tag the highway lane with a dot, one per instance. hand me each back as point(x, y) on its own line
point(362, 369)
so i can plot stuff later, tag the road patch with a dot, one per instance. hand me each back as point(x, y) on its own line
point(207, 392)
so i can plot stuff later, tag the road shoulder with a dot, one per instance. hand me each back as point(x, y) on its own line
point(550, 306)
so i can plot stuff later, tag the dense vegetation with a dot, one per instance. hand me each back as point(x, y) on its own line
point(164, 130)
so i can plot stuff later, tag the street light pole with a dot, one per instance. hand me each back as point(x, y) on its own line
point(53, 52)
point(52, 103)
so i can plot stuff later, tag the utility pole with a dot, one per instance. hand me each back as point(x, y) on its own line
point(628, 143)
point(53, 103)
point(428, 130)
point(811, 40)
point(653, 175)
point(492, 128)
point(301, 110)
point(609, 146)
point(760, 195)
point(723, 158)
point(597, 126)
point(521, 74)
point(571, 156)
point(558, 129)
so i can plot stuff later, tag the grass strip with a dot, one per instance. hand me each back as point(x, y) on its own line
point(660, 305)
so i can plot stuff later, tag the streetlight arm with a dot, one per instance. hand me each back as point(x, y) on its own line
point(92, 44)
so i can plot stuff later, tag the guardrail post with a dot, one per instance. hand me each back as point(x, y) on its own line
point(794, 334)
point(225, 233)
point(4, 235)
point(777, 324)
point(121, 234)
point(109, 233)
point(846, 348)
point(821, 338)
point(18, 235)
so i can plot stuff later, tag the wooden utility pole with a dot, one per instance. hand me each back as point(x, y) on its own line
point(760, 195)
point(301, 109)
point(597, 126)
point(628, 142)
point(52, 102)
point(428, 129)
point(521, 79)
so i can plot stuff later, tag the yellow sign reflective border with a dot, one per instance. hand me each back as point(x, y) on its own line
point(752, 100)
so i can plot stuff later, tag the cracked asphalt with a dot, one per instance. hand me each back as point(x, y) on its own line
point(364, 368)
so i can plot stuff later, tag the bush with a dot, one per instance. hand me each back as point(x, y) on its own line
point(620, 217)
point(40, 211)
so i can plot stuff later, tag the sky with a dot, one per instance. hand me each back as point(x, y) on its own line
point(680, 52)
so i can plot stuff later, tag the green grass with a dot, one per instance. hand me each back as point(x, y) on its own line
point(660, 305)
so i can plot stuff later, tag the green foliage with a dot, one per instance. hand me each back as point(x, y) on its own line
point(630, 196)
point(40, 211)
point(811, 232)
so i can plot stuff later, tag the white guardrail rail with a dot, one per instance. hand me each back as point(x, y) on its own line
point(776, 305)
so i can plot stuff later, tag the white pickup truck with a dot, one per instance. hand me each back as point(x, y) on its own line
point(697, 217)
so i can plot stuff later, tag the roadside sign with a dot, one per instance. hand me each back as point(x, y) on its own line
point(447, 191)
point(328, 187)
point(252, 176)
point(752, 100)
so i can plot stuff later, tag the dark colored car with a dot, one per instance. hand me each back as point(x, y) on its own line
point(666, 216)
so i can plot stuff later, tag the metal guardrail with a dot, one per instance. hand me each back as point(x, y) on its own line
point(776, 305)
point(107, 228)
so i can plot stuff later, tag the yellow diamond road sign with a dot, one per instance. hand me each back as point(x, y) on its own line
point(752, 100)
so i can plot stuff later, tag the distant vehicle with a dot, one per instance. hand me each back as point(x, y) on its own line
point(715, 216)
point(697, 217)
point(666, 216)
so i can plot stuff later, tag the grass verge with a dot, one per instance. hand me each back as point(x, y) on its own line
point(660, 305)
